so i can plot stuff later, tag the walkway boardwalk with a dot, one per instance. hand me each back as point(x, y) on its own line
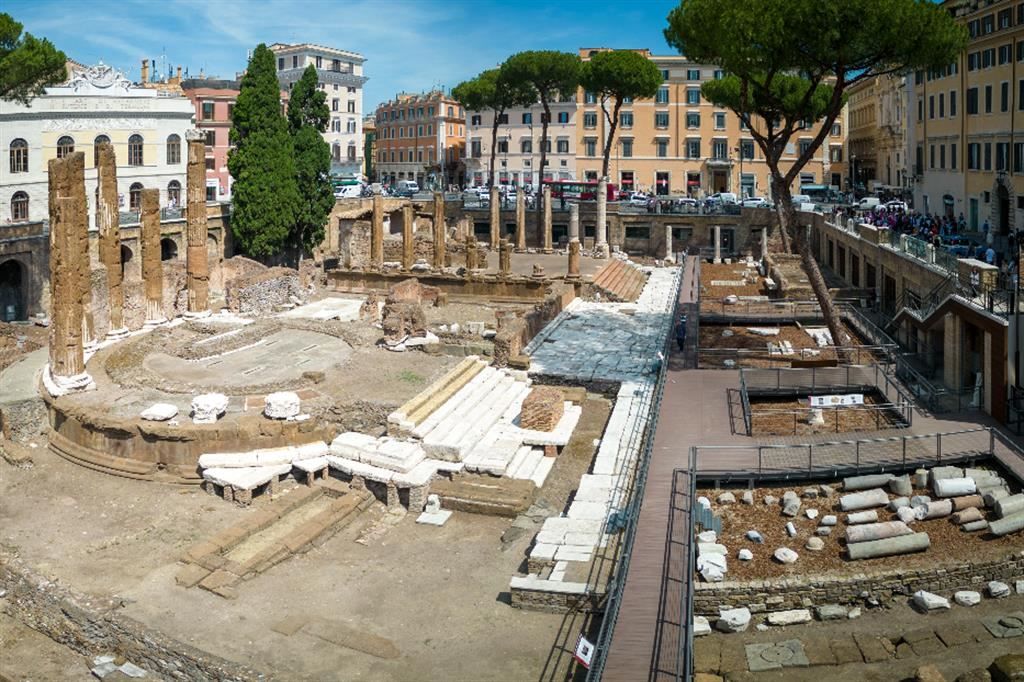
point(695, 410)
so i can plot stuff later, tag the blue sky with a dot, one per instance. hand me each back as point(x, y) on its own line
point(409, 45)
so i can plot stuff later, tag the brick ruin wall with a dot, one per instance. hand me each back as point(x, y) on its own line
point(516, 333)
point(799, 592)
point(93, 626)
point(264, 293)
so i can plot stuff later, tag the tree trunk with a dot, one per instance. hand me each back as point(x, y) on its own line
point(613, 124)
point(494, 148)
point(545, 119)
point(790, 222)
point(784, 210)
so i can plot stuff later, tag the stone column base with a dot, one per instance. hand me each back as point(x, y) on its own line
point(197, 315)
point(118, 334)
point(602, 251)
point(152, 324)
point(58, 385)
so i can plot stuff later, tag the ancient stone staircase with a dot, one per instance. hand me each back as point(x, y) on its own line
point(620, 281)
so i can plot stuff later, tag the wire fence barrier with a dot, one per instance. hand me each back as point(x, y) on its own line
point(719, 358)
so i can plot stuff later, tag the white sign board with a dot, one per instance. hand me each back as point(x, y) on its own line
point(584, 652)
point(837, 400)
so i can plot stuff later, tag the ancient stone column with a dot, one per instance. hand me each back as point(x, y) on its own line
point(472, 254)
point(108, 219)
point(669, 256)
point(495, 217)
point(504, 257)
point(377, 233)
point(440, 231)
point(574, 221)
point(764, 243)
point(408, 238)
point(196, 259)
point(520, 220)
point(72, 184)
point(574, 259)
point(152, 267)
point(601, 229)
point(547, 219)
point(718, 243)
point(69, 268)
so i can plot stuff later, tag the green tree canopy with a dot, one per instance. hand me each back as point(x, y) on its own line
point(308, 117)
point(790, 62)
point(265, 197)
point(27, 64)
point(489, 90)
point(618, 75)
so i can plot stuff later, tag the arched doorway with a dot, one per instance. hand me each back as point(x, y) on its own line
point(1002, 210)
point(12, 291)
point(126, 258)
point(168, 249)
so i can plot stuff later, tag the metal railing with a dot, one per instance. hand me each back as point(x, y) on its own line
point(781, 310)
point(780, 380)
point(631, 489)
point(684, 640)
point(844, 457)
point(716, 358)
point(937, 398)
point(883, 415)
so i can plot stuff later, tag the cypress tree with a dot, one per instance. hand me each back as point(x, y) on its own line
point(308, 117)
point(265, 196)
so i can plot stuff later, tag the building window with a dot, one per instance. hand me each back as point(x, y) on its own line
point(720, 149)
point(1002, 156)
point(563, 147)
point(952, 156)
point(987, 148)
point(100, 139)
point(65, 146)
point(19, 207)
point(503, 146)
point(335, 104)
point(211, 163)
point(952, 103)
point(19, 156)
point(835, 154)
point(692, 119)
point(280, 63)
point(1018, 157)
point(351, 106)
point(527, 118)
point(211, 138)
point(351, 152)
point(590, 118)
point(207, 111)
point(661, 119)
point(693, 74)
point(474, 149)
point(719, 121)
point(590, 145)
point(336, 126)
point(1004, 96)
point(174, 194)
point(1005, 54)
point(135, 150)
point(972, 101)
point(988, 99)
point(942, 157)
point(563, 116)
point(931, 106)
point(626, 119)
point(805, 145)
point(662, 96)
point(692, 96)
point(173, 149)
point(837, 130)
point(627, 149)
point(295, 62)
point(589, 98)
point(662, 148)
point(419, 131)
point(747, 149)
point(693, 149)
point(135, 196)
point(526, 146)
point(942, 105)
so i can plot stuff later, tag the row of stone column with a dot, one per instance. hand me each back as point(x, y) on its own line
point(71, 328)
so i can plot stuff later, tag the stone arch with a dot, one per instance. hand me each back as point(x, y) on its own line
point(1002, 218)
point(13, 290)
point(131, 267)
point(168, 249)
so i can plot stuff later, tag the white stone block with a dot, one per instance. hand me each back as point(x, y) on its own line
point(159, 412)
point(792, 617)
point(281, 405)
point(435, 518)
point(927, 601)
point(207, 408)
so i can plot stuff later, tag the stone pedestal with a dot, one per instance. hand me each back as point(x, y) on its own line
point(574, 259)
point(69, 275)
point(472, 254)
point(504, 257)
point(110, 236)
point(440, 231)
point(377, 233)
point(670, 256)
point(764, 243)
point(546, 230)
point(520, 220)
point(196, 256)
point(574, 221)
point(152, 267)
point(718, 243)
point(495, 217)
point(601, 229)
point(408, 238)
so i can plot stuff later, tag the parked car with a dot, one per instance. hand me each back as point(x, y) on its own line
point(755, 202)
point(801, 199)
point(406, 188)
point(896, 205)
point(637, 199)
point(723, 198)
point(868, 203)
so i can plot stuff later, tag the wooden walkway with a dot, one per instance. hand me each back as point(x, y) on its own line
point(695, 410)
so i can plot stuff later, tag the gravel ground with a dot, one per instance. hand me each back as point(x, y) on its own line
point(730, 272)
point(788, 417)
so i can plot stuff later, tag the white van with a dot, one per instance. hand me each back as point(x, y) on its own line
point(868, 203)
point(801, 199)
point(407, 187)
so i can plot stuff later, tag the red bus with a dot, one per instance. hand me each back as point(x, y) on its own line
point(581, 190)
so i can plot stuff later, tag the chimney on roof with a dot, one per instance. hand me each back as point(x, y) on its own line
point(177, 76)
point(145, 71)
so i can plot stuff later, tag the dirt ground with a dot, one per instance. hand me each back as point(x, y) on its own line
point(30, 656)
point(948, 543)
point(753, 348)
point(439, 595)
point(788, 416)
point(730, 272)
point(17, 340)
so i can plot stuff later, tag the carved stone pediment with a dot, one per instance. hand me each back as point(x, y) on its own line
point(100, 79)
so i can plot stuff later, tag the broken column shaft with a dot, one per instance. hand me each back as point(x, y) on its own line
point(197, 259)
point(152, 267)
point(108, 221)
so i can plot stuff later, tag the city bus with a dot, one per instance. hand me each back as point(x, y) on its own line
point(581, 190)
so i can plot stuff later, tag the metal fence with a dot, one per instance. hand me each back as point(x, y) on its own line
point(836, 420)
point(781, 310)
point(845, 457)
point(935, 397)
point(631, 488)
point(715, 358)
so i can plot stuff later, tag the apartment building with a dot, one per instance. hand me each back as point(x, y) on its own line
point(370, 147)
point(679, 143)
point(340, 75)
point(213, 99)
point(964, 120)
point(421, 137)
point(519, 145)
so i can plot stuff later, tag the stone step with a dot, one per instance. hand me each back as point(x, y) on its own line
point(476, 388)
point(455, 437)
point(424, 403)
point(540, 474)
point(529, 464)
point(521, 454)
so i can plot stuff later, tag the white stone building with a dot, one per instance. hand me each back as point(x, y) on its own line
point(519, 138)
point(147, 128)
point(340, 76)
